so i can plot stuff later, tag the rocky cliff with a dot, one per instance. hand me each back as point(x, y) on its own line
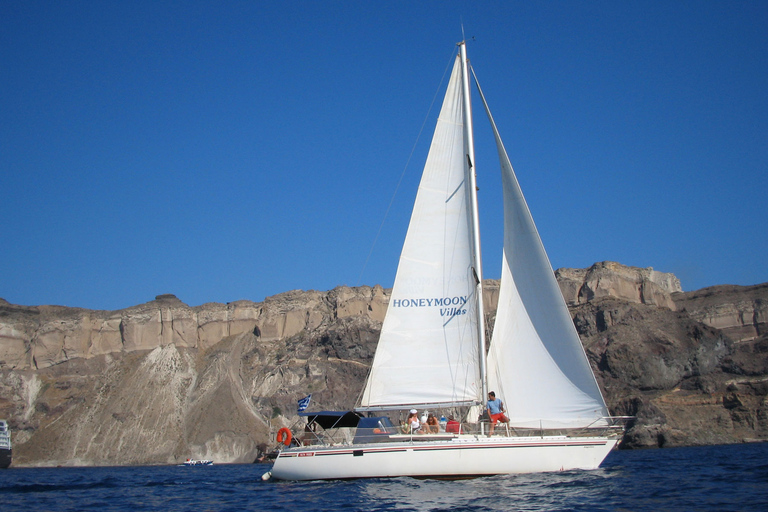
point(610, 279)
point(162, 381)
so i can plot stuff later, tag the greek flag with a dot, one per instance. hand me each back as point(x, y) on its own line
point(304, 402)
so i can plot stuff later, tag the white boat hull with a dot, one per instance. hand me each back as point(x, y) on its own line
point(462, 457)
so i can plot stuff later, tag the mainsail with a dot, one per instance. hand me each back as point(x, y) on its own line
point(428, 349)
point(536, 360)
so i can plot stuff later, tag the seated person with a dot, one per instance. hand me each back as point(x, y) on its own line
point(412, 423)
point(433, 426)
point(495, 411)
point(453, 426)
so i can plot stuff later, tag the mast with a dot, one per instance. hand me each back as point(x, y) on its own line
point(478, 268)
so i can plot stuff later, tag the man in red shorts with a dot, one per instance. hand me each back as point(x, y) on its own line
point(495, 411)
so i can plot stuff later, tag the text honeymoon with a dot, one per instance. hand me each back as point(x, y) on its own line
point(449, 306)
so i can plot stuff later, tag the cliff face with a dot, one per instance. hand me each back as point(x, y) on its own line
point(161, 382)
point(610, 279)
point(692, 367)
point(741, 312)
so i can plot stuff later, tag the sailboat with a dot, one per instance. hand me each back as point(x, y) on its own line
point(432, 353)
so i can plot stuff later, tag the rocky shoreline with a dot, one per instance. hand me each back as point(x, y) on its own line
point(161, 382)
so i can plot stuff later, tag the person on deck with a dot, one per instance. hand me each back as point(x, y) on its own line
point(412, 423)
point(453, 426)
point(433, 426)
point(495, 411)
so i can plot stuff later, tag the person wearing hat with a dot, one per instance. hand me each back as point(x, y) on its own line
point(412, 423)
point(453, 425)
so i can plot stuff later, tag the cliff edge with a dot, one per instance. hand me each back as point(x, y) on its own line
point(159, 382)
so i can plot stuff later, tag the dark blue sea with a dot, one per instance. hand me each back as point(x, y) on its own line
point(733, 478)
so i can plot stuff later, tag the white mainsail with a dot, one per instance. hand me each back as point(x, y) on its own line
point(536, 360)
point(428, 349)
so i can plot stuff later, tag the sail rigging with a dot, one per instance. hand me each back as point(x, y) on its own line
point(431, 351)
point(428, 349)
point(432, 347)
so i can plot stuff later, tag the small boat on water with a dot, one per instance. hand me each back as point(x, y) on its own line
point(198, 462)
point(5, 445)
point(432, 356)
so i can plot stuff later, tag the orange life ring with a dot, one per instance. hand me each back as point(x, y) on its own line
point(284, 436)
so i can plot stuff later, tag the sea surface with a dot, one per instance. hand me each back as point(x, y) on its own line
point(733, 478)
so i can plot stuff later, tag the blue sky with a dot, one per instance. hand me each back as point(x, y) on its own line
point(235, 150)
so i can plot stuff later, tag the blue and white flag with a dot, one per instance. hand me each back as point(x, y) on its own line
point(304, 402)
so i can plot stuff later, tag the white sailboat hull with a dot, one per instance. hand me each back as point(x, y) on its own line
point(462, 457)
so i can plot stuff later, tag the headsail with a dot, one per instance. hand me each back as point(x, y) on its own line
point(536, 360)
point(428, 349)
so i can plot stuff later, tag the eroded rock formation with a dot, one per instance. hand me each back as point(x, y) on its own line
point(162, 381)
point(741, 312)
point(610, 279)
